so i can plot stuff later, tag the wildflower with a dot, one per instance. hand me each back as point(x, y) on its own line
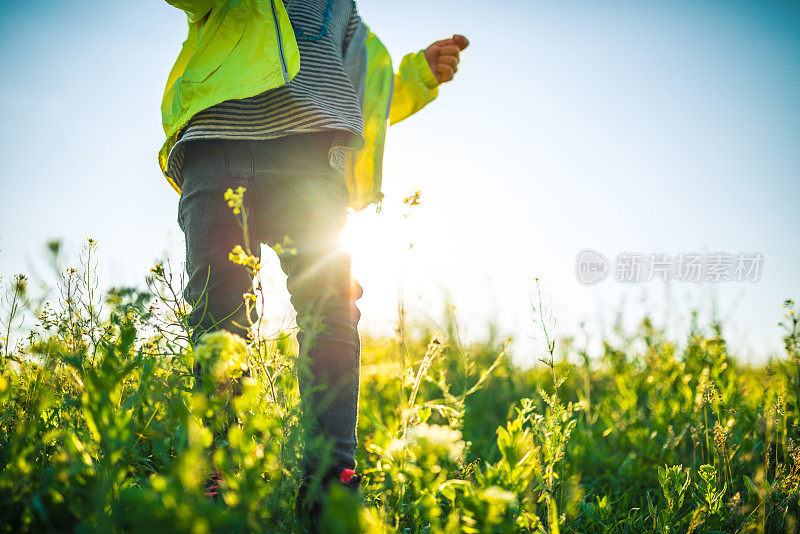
point(20, 284)
point(734, 505)
point(440, 439)
point(720, 438)
point(223, 354)
point(413, 200)
point(715, 346)
point(707, 392)
point(240, 257)
point(235, 199)
point(285, 248)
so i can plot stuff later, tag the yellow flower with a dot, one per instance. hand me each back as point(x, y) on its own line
point(240, 257)
point(235, 199)
point(413, 200)
point(223, 354)
point(285, 248)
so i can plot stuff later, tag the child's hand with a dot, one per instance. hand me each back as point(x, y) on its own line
point(442, 56)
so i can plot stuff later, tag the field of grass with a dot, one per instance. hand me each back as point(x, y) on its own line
point(101, 428)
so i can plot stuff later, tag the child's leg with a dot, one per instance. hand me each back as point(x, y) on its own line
point(291, 192)
point(307, 202)
point(329, 361)
point(215, 285)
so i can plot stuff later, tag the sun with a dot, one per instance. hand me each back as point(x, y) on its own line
point(377, 243)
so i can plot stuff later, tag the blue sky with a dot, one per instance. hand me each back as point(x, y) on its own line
point(622, 126)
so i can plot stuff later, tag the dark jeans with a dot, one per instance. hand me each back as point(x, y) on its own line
point(291, 191)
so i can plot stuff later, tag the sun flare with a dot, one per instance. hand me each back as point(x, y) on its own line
point(377, 244)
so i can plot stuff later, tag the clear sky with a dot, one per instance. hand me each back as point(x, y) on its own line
point(622, 126)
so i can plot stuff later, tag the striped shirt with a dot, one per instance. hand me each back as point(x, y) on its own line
point(320, 97)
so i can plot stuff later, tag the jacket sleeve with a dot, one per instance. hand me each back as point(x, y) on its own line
point(195, 9)
point(415, 86)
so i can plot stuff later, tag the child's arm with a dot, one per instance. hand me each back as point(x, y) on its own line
point(417, 80)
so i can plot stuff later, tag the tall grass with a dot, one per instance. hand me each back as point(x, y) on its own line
point(102, 427)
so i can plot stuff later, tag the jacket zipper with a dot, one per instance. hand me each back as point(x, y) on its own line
point(280, 43)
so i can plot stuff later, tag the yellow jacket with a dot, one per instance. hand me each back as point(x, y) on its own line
point(240, 48)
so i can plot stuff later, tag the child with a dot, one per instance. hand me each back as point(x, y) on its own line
point(293, 107)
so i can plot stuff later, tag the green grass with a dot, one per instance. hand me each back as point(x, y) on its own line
point(101, 428)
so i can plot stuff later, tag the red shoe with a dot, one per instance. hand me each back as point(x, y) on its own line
point(213, 484)
point(350, 479)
